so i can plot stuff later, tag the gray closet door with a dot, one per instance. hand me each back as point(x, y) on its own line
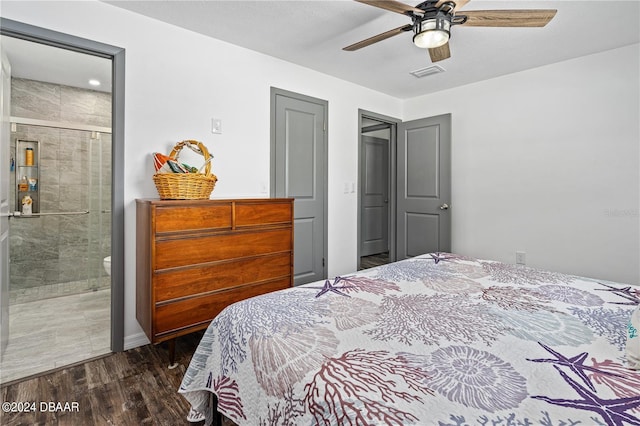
point(424, 186)
point(375, 196)
point(298, 167)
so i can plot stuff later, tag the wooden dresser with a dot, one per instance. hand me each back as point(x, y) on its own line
point(195, 257)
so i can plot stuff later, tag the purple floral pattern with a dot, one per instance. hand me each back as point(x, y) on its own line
point(455, 285)
point(629, 295)
point(437, 339)
point(228, 399)
point(510, 419)
point(339, 392)
point(617, 377)
point(352, 315)
point(613, 411)
point(284, 411)
point(608, 323)
point(522, 275)
point(364, 284)
point(264, 316)
point(418, 319)
point(302, 351)
point(410, 270)
point(466, 269)
point(520, 299)
point(553, 328)
point(569, 295)
point(475, 378)
point(576, 364)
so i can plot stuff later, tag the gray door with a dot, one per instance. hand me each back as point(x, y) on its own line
point(298, 170)
point(375, 196)
point(424, 186)
point(5, 135)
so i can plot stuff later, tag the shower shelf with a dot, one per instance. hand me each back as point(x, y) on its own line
point(27, 168)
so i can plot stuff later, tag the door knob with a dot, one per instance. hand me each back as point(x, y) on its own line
point(445, 206)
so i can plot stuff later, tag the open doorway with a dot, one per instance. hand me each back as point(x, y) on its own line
point(60, 252)
point(404, 195)
point(376, 195)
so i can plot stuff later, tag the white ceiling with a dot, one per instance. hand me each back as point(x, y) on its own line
point(312, 34)
point(39, 62)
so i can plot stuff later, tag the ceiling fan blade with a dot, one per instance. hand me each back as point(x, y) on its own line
point(509, 18)
point(440, 53)
point(377, 38)
point(393, 6)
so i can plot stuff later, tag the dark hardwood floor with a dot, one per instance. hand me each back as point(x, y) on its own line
point(134, 387)
point(367, 262)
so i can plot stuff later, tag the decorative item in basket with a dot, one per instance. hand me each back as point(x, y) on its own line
point(176, 181)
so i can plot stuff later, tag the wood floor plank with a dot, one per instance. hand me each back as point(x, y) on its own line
point(134, 387)
point(96, 373)
point(374, 260)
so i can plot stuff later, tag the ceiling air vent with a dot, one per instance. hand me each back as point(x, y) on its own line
point(424, 72)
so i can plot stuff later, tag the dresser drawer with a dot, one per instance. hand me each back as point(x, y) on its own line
point(263, 214)
point(171, 253)
point(197, 280)
point(172, 317)
point(192, 218)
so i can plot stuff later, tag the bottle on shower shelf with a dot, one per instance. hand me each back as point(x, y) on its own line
point(27, 205)
point(28, 157)
point(23, 185)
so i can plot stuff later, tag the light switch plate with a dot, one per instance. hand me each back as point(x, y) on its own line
point(216, 125)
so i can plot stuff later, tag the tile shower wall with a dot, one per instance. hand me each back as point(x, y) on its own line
point(58, 255)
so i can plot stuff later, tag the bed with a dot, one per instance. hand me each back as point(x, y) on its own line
point(437, 339)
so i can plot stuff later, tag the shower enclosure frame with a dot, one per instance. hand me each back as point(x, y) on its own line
point(116, 54)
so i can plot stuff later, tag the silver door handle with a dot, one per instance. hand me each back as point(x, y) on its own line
point(445, 206)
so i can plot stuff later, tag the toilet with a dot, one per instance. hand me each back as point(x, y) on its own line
point(107, 264)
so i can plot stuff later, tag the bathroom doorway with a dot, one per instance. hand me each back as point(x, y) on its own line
point(63, 303)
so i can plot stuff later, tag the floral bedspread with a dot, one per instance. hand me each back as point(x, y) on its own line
point(439, 339)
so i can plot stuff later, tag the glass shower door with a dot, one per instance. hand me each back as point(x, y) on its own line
point(59, 289)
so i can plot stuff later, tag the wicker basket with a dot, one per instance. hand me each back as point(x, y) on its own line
point(187, 186)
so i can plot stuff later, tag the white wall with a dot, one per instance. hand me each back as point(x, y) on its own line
point(544, 161)
point(547, 161)
point(177, 80)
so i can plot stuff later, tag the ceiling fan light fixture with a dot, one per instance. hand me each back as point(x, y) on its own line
point(432, 33)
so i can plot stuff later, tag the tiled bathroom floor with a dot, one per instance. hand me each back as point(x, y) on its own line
point(51, 333)
point(48, 291)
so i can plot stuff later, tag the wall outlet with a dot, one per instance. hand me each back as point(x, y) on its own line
point(521, 258)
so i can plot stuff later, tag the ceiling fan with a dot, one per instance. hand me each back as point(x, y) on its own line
point(431, 22)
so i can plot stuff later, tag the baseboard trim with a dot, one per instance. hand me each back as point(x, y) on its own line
point(135, 340)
